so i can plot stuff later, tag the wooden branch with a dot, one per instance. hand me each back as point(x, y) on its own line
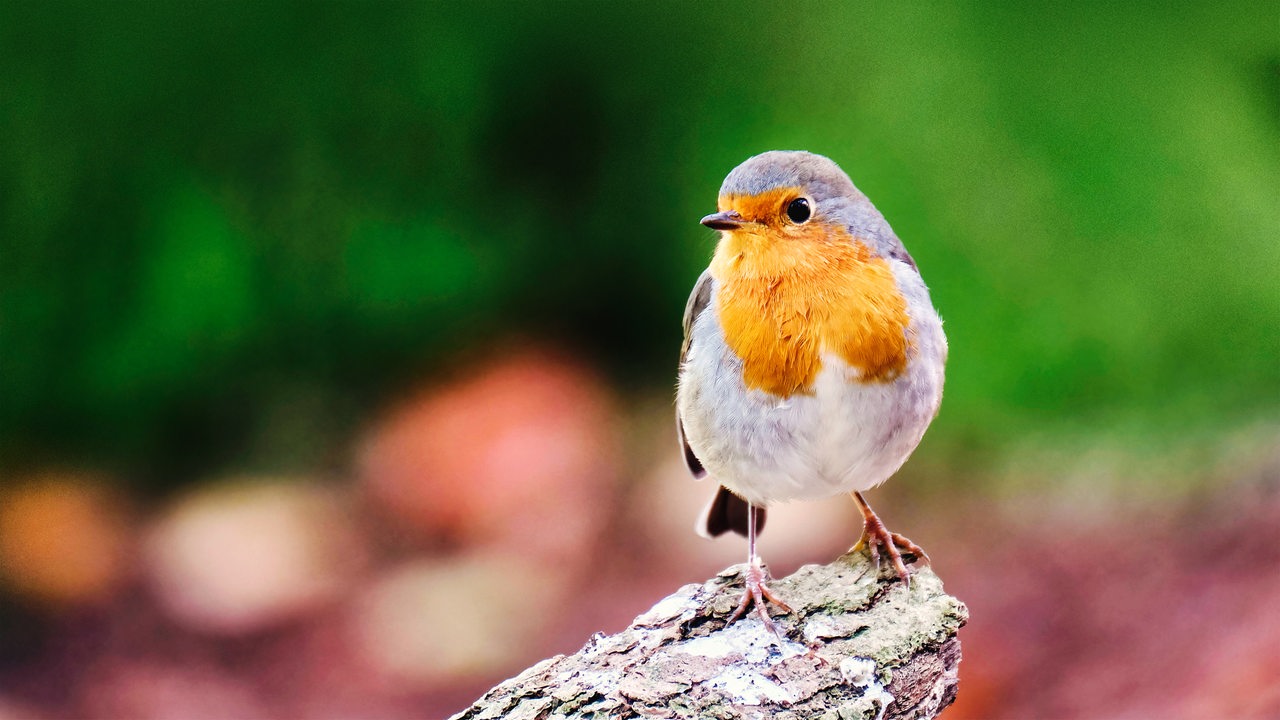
point(858, 646)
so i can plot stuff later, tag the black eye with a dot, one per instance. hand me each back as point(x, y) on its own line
point(798, 210)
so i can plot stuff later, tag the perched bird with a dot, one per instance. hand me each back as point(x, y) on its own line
point(812, 360)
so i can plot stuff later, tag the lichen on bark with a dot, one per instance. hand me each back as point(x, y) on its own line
point(858, 644)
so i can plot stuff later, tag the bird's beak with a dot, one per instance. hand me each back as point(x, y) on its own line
point(727, 220)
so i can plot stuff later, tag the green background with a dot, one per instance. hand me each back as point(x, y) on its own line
point(229, 231)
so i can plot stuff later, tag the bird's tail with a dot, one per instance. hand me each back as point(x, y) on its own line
point(726, 512)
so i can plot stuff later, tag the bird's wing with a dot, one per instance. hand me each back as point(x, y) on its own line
point(699, 299)
point(726, 511)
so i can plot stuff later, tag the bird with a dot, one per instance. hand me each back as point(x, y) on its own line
point(813, 357)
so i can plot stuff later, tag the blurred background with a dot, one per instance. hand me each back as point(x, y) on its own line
point(338, 341)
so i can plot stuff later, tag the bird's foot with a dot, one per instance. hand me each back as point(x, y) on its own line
point(758, 594)
point(878, 541)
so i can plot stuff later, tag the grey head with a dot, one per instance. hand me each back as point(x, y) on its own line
point(831, 194)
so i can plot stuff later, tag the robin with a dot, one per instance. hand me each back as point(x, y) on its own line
point(812, 361)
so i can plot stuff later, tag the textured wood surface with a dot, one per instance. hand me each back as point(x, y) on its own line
point(859, 645)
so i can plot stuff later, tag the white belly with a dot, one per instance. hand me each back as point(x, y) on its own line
point(845, 436)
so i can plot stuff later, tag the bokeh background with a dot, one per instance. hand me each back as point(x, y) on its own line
point(337, 341)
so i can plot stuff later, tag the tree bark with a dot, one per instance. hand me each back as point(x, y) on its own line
point(858, 645)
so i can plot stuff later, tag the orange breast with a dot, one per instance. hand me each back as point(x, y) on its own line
point(784, 299)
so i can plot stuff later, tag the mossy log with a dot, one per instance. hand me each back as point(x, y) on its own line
point(858, 645)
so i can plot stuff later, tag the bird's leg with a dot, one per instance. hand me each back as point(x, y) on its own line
point(877, 538)
point(756, 592)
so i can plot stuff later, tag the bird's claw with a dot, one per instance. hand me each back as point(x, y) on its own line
point(758, 594)
point(877, 539)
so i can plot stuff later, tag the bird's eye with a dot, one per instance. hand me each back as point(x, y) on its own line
point(798, 210)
